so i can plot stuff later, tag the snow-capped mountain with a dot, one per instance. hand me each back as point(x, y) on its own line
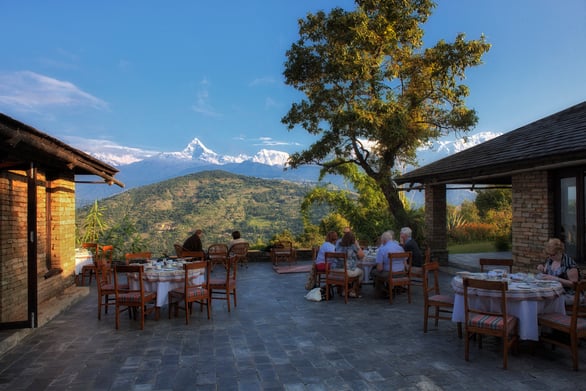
point(139, 167)
point(271, 158)
point(194, 152)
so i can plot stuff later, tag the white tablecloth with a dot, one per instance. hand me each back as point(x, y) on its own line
point(366, 265)
point(525, 304)
point(82, 257)
point(162, 281)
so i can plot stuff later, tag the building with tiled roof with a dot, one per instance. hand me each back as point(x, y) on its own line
point(543, 162)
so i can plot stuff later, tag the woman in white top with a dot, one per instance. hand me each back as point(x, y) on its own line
point(328, 246)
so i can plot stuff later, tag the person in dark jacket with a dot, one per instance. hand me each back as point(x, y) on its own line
point(409, 244)
point(193, 243)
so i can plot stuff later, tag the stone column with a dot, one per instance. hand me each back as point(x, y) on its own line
point(436, 222)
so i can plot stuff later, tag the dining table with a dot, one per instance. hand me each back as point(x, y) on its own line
point(366, 264)
point(526, 298)
point(162, 277)
point(82, 258)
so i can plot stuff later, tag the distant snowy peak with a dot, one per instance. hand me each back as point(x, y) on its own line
point(115, 159)
point(116, 155)
point(197, 153)
point(443, 147)
point(472, 140)
point(197, 150)
point(271, 158)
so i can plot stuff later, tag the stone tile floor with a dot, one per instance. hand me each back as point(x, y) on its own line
point(275, 340)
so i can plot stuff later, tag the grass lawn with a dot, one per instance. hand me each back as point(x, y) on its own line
point(477, 247)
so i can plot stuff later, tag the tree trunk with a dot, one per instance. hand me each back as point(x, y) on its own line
point(395, 205)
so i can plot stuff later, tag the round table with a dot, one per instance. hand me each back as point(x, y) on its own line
point(163, 280)
point(525, 300)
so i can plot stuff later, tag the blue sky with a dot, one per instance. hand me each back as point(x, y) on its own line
point(154, 76)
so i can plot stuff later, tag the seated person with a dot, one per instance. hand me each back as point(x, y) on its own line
point(329, 246)
point(193, 243)
point(560, 267)
point(345, 230)
point(409, 244)
point(350, 246)
point(236, 239)
point(383, 267)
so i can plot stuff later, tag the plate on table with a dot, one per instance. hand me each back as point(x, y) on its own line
point(523, 286)
point(518, 276)
point(546, 283)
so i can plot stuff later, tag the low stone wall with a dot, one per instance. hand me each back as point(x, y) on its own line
point(303, 254)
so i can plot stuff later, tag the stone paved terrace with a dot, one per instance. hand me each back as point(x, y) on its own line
point(275, 340)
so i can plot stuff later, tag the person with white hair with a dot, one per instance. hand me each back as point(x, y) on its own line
point(409, 244)
point(383, 266)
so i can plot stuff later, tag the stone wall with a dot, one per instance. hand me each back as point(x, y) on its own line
point(61, 239)
point(533, 218)
point(55, 240)
point(13, 247)
point(436, 234)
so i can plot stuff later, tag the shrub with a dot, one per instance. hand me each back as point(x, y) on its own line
point(472, 232)
point(502, 243)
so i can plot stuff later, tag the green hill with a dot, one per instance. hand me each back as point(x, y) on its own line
point(217, 202)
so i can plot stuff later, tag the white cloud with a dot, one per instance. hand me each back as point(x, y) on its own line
point(268, 141)
point(269, 103)
point(262, 81)
point(26, 90)
point(108, 151)
point(202, 104)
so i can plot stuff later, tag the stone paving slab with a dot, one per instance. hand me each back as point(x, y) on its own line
point(275, 340)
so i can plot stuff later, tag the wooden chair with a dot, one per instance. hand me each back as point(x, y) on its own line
point(398, 279)
point(338, 276)
point(442, 305)
point(572, 326)
point(320, 275)
point(107, 255)
point(138, 257)
point(105, 285)
point(222, 287)
point(178, 249)
point(496, 322)
point(89, 270)
point(217, 254)
point(183, 253)
point(416, 272)
point(490, 263)
point(193, 256)
point(283, 251)
point(195, 290)
point(136, 299)
point(241, 251)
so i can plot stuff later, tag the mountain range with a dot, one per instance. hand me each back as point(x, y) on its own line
point(139, 167)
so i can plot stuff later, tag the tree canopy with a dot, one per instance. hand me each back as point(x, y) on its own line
point(373, 92)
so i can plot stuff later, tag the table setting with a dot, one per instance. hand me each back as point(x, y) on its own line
point(527, 296)
point(367, 263)
point(521, 286)
point(162, 275)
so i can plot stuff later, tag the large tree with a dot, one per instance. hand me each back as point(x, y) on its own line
point(373, 92)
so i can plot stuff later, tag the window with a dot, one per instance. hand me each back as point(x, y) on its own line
point(570, 219)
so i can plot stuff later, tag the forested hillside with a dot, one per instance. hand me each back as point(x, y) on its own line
point(218, 202)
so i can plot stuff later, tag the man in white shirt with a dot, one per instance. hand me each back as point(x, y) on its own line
point(381, 271)
point(236, 239)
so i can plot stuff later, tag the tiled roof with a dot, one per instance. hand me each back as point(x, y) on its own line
point(554, 141)
point(21, 144)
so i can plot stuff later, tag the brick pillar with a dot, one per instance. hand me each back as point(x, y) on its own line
point(436, 222)
point(533, 218)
